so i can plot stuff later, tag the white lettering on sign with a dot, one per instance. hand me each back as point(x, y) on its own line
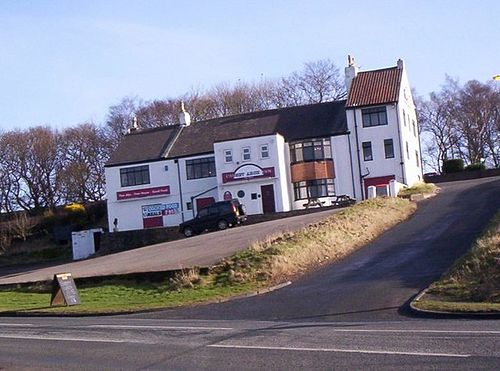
point(149, 211)
point(248, 171)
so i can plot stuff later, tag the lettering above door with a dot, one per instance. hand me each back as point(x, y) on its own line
point(248, 171)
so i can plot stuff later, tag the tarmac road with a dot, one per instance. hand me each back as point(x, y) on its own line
point(378, 280)
point(344, 316)
point(201, 251)
point(124, 343)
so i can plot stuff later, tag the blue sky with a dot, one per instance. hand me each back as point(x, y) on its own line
point(65, 62)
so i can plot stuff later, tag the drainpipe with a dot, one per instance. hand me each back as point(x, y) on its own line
point(357, 151)
point(350, 161)
point(180, 187)
point(198, 195)
point(400, 139)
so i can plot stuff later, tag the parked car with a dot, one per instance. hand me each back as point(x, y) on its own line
point(220, 215)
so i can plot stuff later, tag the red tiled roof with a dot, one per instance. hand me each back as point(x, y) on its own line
point(375, 87)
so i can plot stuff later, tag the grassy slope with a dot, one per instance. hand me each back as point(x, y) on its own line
point(274, 260)
point(473, 283)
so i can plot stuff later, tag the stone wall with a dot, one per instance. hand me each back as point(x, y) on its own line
point(127, 240)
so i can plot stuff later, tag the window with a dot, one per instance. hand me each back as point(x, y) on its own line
point(200, 168)
point(264, 151)
point(389, 148)
point(228, 155)
point(414, 128)
point(314, 189)
point(311, 150)
point(407, 151)
point(404, 118)
point(367, 151)
point(132, 176)
point(417, 158)
point(246, 154)
point(374, 116)
point(241, 193)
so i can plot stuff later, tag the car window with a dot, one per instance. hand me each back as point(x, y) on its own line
point(212, 211)
point(202, 213)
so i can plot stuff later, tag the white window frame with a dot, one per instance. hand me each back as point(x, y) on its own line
point(228, 156)
point(246, 151)
point(262, 151)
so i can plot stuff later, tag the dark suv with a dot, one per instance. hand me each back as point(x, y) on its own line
point(219, 215)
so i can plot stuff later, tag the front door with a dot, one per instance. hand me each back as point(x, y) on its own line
point(267, 192)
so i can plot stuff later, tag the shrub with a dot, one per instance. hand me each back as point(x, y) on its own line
point(453, 166)
point(475, 167)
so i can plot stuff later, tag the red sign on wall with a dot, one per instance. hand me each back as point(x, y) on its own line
point(248, 171)
point(145, 192)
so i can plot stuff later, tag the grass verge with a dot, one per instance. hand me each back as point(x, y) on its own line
point(264, 264)
point(419, 188)
point(473, 283)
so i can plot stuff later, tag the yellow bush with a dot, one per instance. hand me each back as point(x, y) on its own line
point(75, 208)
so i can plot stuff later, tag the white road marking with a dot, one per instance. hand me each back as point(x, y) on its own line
point(479, 332)
point(333, 350)
point(64, 338)
point(144, 327)
point(17, 325)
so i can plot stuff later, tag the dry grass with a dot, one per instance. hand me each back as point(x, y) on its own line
point(282, 257)
point(476, 276)
point(419, 188)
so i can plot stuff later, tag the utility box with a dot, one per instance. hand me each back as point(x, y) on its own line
point(85, 243)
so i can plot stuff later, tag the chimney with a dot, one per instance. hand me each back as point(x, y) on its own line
point(401, 64)
point(184, 117)
point(134, 126)
point(351, 71)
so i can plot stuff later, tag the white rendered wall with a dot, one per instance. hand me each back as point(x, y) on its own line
point(413, 172)
point(379, 166)
point(251, 186)
point(193, 187)
point(129, 212)
point(342, 165)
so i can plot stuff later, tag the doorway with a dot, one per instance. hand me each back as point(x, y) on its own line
point(267, 192)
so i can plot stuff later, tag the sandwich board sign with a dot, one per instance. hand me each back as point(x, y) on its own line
point(64, 290)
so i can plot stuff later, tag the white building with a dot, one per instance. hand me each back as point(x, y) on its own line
point(272, 161)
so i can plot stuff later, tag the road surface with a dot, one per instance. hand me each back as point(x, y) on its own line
point(199, 251)
point(349, 315)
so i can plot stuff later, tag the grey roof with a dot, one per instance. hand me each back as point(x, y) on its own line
point(293, 123)
point(143, 145)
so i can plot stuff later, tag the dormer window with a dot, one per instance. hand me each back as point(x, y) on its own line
point(375, 116)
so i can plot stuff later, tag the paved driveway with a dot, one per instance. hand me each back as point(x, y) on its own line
point(203, 250)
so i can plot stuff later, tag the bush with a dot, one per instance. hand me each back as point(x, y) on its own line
point(453, 166)
point(475, 167)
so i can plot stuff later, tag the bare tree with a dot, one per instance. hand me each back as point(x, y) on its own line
point(475, 111)
point(32, 162)
point(317, 82)
point(462, 121)
point(439, 131)
point(86, 150)
point(120, 118)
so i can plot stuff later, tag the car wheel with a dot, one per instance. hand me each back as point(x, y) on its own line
point(222, 224)
point(188, 232)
